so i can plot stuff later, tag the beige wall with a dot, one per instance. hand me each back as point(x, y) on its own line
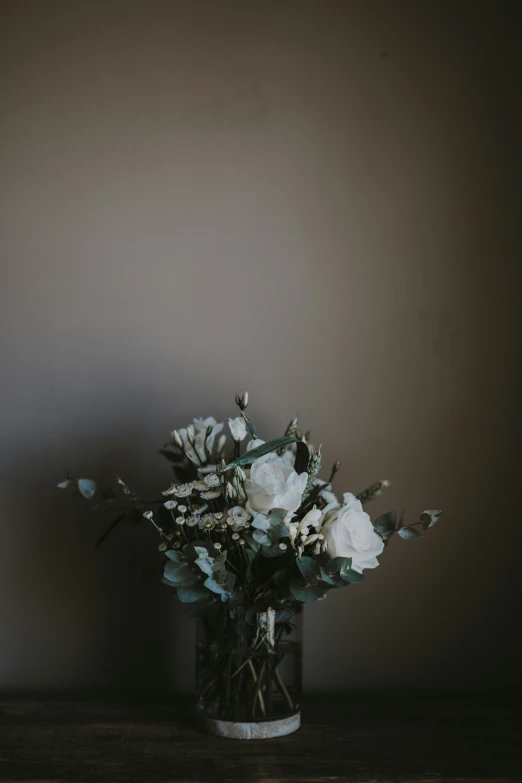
point(313, 201)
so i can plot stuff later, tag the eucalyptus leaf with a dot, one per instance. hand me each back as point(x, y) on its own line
point(338, 564)
point(271, 551)
point(281, 578)
point(261, 522)
point(352, 576)
point(174, 555)
point(64, 484)
point(309, 569)
point(214, 586)
point(386, 523)
point(429, 518)
point(87, 488)
point(410, 533)
point(180, 574)
point(206, 565)
point(277, 515)
point(326, 578)
point(252, 543)
point(192, 593)
point(261, 537)
point(305, 592)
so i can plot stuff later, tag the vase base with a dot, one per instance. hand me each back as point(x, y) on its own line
point(263, 730)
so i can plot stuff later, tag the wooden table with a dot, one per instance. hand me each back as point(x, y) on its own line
point(358, 736)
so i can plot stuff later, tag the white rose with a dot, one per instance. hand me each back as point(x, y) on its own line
point(238, 428)
point(348, 532)
point(274, 484)
point(199, 429)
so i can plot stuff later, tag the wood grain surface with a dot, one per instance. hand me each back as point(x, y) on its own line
point(364, 737)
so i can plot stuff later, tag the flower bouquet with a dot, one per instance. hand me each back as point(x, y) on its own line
point(249, 534)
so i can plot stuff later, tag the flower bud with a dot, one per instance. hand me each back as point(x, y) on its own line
point(178, 440)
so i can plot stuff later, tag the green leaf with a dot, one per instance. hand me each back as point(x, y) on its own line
point(428, 518)
point(261, 537)
point(261, 522)
point(309, 569)
point(252, 543)
point(386, 523)
point(192, 593)
point(303, 592)
point(338, 564)
point(326, 578)
point(410, 533)
point(271, 551)
point(250, 425)
point(266, 448)
point(64, 484)
point(276, 516)
point(87, 488)
point(177, 557)
point(351, 576)
point(302, 457)
point(214, 586)
point(180, 574)
point(206, 564)
point(281, 578)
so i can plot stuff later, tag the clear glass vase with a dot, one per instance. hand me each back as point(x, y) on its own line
point(248, 671)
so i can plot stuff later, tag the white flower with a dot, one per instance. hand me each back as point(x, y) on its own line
point(170, 504)
point(183, 490)
point(312, 519)
point(349, 532)
point(238, 428)
point(212, 480)
point(238, 517)
point(274, 484)
point(197, 432)
point(212, 494)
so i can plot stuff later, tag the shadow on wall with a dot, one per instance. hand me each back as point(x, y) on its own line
point(78, 616)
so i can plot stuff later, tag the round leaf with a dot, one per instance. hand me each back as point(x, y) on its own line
point(410, 533)
point(87, 488)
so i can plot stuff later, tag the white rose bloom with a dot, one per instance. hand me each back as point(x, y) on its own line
point(239, 516)
point(274, 484)
point(198, 429)
point(348, 532)
point(238, 428)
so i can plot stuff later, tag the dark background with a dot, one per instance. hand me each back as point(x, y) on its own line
point(315, 201)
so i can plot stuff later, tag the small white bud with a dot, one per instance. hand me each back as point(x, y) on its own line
point(182, 509)
point(217, 546)
point(162, 547)
point(148, 514)
point(283, 546)
point(180, 520)
point(176, 437)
